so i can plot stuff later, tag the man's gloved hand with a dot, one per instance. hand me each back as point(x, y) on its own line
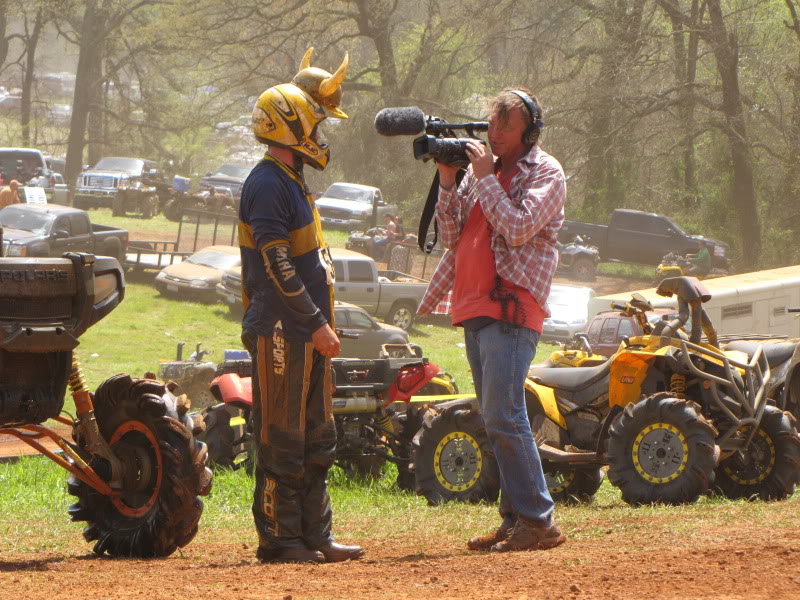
point(326, 341)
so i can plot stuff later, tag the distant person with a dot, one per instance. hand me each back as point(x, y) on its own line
point(701, 261)
point(8, 194)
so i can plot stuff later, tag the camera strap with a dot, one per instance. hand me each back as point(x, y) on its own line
point(427, 213)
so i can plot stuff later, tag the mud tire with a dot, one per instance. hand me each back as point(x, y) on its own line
point(771, 468)
point(453, 460)
point(221, 435)
point(169, 506)
point(408, 424)
point(687, 444)
point(573, 486)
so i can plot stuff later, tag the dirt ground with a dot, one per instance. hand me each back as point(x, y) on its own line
point(747, 562)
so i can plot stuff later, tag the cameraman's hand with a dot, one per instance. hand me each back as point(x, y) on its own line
point(481, 159)
point(447, 175)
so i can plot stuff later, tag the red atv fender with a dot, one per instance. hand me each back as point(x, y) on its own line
point(230, 388)
point(411, 379)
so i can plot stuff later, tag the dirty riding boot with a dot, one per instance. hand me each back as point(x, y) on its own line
point(318, 516)
point(530, 535)
point(293, 554)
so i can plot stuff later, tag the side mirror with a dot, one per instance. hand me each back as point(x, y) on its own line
point(209, 174)
point(381, 203)
point(152, 172)
point(60, 234)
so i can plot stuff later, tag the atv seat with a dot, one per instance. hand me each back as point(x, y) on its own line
point(569, 379)
point(775, 353)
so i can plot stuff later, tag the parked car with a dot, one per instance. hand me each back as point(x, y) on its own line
point(390, 295)
point(569, 311)
point(229, 289)
point(98, 186)
point(351, 206)
point(607, 329)
point(354, 320)
point(51, 230)
point(230, 176)
point(198, 275)
point(641, 237)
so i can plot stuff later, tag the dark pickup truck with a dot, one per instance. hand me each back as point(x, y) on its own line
point(640, 237)
point(52, 230)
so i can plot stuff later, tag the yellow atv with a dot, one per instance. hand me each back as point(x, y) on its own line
point(576, 352)
point(668, 413)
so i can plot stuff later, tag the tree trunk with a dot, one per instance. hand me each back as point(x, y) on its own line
point(685, 73)
point(725, 50)
point(31, 42)
point(4, 43)
point(86, 82)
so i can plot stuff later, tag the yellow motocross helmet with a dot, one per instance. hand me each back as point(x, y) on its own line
point(288, 115)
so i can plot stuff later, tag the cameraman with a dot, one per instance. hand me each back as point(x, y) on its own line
point(500, 226)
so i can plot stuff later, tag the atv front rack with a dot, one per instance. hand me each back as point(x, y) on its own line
point(751, 397)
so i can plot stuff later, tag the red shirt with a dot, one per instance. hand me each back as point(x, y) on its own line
point(476, 271)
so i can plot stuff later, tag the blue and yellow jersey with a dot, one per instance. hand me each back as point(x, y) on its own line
point(275, 210)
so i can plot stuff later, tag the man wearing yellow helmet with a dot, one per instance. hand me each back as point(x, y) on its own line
point(287, 278)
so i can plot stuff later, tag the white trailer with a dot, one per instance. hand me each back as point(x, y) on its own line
point(750, 303)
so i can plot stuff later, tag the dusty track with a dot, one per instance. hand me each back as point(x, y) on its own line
point(750, 562)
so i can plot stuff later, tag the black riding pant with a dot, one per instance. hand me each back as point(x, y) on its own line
point(295, 440)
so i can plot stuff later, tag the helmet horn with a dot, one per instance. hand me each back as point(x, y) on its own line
point(330, 84)
point(306, 62)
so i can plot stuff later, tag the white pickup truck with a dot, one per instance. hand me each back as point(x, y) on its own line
point(389, 295)
point(352, 206)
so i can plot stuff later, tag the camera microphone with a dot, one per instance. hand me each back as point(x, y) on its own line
point(407, 120)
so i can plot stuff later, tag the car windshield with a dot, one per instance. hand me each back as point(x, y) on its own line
point(566, 297)
point(12, 218)
point(215, 260)
point(345, 192)
point(130, 165)
point(232, 170)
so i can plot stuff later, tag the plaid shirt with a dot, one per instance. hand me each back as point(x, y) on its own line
point(524, 227)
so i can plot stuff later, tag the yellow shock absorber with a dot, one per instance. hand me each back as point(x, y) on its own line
point(385, 423)
point(677, 385)
point(77, 386)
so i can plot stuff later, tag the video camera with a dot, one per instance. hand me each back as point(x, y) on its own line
point(440, 142)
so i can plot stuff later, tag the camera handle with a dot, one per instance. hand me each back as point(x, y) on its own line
point(427, 213)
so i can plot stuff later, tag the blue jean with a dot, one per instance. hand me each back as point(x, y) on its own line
point(499, 355)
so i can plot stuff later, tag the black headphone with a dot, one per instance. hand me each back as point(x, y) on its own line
point(533, 111)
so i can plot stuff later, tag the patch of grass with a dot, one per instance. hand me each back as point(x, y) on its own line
point(613, 269)
point(34, 518)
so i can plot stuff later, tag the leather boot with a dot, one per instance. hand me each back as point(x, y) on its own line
point(292, 554)
point(486, 541)
point(530, 535)
point(334, 552)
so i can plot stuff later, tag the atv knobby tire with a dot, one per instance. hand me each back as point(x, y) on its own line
point(770, 467)
point(661, 449)
point(407, 424)
point(453, 459)
point(573, 486)
point(165, 472)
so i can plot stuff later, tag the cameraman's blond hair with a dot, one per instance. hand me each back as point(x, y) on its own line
point(502, 104)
